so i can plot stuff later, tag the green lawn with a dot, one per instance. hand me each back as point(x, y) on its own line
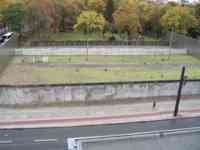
point(87, 75)
point(75, 36)
point(35, 74)
point(70, 36)
point(145, 59)
point(78, 36)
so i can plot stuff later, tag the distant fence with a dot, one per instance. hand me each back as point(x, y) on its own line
point(185, 42)
point(103, 43)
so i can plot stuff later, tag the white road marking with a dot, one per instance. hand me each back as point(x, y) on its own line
point(6, 142)
point(45, 140)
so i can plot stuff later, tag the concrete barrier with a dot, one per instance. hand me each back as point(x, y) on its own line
point(177, 139)
point(94, 92)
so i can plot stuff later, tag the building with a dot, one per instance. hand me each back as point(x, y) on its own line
point(178, 1)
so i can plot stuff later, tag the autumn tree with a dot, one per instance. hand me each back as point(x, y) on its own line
point(96, 5)
point(13, 15)
point(4, 4)
point(35, 18)
point(70, 10)
point(127, 18)
point(195, 31)
point(109, 10)
point(150, 14)
point(179, 18)
point(90, 22)
point(41, 15)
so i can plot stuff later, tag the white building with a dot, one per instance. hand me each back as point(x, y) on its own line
point(178, 1)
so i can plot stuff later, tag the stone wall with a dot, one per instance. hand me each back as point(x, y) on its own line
point(47, 94)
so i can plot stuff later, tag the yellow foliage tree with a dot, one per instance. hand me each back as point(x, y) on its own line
point(89, 22)
point(179, 18)
point(127, 18)
point(96, 5)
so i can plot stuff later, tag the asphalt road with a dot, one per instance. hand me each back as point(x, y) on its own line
point(55, 138)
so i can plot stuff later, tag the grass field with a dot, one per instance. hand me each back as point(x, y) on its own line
point(141, 60)
point(45, 75)
point(107, 75)
point(20, 72)
point(70, 36)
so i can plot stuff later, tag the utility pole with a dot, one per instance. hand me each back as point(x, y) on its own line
point(181, 83)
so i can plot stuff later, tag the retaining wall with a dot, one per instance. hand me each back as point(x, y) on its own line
point(99, 50)
point(46, 94)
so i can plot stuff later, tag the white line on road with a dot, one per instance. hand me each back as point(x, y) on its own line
point(45, 140)
point(6, 142)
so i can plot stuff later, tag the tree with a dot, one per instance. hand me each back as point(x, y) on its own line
point(197, 10)
point(150, 14)
point(42, 15)
point(4, 4)
point(179, 18)
point(127, 18)
point(96, 5)
point(195, 31)
point(71, 10)
point(13, 15)
point(109, 10)
point(35, 18)
point(89, 22)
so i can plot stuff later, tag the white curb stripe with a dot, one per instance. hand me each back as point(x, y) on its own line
point(45, 140)
point(6, 142)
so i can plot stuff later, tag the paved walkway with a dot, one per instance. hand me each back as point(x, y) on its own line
point(89, 115)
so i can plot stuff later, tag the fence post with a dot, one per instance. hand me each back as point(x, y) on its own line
point(179, 92)
point(170, 43)
point(87, 50)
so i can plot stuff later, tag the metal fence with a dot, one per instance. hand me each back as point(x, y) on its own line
point(101, 43)
point(191, 45)
point(179, 139)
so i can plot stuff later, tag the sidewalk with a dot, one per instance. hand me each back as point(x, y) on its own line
point(92, 115)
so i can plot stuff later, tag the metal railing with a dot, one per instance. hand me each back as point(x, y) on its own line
point(190, 44)
point(77, 143)
point(102, 43)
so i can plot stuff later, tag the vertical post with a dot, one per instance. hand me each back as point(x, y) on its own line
point(171, 38)
point(87, 50)
point(171, 42)
point(179, 92)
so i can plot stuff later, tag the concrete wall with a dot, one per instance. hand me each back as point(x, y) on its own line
point(46, 94)
point(100, 50)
